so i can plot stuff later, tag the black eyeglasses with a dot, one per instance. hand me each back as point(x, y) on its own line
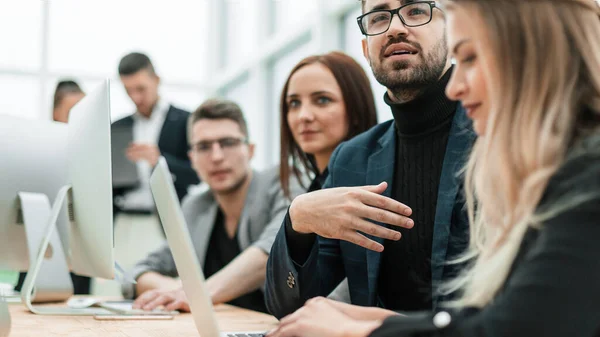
point(412, 14)
point(226, 143)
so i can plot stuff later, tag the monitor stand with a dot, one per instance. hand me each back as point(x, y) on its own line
point(48, 278)
point(4, 318)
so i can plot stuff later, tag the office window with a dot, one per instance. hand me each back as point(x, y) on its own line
point(182, 97)
point(353, 47)
point(242, 29)
point(21, 27)
point(90, 37)
point(279, 73)
point(291, 14)
point(243, 92)
point(20, 96)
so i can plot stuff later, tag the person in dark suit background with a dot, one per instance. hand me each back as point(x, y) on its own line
point(159, 129)
point(66, 95)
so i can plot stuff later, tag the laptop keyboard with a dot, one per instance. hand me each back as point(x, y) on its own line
point(246, 335)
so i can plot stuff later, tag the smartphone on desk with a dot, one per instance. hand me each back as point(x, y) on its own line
point(112, 317)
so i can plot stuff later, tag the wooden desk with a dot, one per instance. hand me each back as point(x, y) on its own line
point(26, 324)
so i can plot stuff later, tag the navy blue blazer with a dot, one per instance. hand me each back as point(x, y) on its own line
point(369, 159)
point(173, 145)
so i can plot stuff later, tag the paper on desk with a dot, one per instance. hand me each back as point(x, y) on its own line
point(121, 275)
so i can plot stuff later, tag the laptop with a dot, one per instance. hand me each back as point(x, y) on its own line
point(184, 254)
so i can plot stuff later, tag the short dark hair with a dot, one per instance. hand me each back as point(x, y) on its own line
point(134, 62)
point(358, 100)
point(63, 88)
point(218, 108)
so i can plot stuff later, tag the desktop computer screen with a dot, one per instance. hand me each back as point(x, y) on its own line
point(70, 165)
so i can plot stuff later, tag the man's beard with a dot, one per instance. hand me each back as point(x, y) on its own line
point(235, 187)
point(408, 76)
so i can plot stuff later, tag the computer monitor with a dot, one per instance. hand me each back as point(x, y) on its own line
point(90, 175)
point(69, 166)
point(34, 160)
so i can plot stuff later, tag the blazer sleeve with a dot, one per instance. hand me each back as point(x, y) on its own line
point(277, 212)
point(160, 261)
point(553, 290)
point(289, 284)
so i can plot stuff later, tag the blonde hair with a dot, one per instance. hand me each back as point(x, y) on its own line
point(546, 72)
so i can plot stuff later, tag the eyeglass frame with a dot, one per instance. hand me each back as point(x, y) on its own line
point(431, 4)
point(240, 141)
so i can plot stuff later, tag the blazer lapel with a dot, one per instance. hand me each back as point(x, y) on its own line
point(165, 138)
point(203, 230)
point(243, 231)
point(380, 168)
point(460, 139)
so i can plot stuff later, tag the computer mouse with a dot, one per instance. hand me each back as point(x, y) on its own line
point(4, 318)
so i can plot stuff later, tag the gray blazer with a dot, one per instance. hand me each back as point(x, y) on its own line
point(260, 221)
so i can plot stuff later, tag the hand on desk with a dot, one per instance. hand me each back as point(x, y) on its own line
point(141, 151)
point(324, 317)
point(339, 213)
point(170, 299)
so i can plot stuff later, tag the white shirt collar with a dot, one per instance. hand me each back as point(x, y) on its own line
point(158, 112)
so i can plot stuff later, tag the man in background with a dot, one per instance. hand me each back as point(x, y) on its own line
point(159, 129)
point(156, 128)
point(232, 225)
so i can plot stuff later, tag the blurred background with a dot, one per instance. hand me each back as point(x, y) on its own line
point(239, 49)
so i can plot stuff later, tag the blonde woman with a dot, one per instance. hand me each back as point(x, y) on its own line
point(528, 74)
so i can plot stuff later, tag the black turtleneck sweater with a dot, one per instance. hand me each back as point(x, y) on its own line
point(422, 128)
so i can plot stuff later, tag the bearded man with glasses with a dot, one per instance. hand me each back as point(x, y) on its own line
point(390, 215)
point(232, 224)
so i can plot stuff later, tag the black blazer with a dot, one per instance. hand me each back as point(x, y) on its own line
point(173, 145)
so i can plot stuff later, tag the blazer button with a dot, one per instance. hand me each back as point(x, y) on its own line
point(442, 319)
point(291, 280)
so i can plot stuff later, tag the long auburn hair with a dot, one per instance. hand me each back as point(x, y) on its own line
point(360, 109)
point(545, 97)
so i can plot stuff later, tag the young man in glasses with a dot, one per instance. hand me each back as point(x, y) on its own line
point(232, 224)
point(390, 214)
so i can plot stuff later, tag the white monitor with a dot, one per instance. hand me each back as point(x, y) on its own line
point(90, 175)
point(54, 175)
point(34, 160)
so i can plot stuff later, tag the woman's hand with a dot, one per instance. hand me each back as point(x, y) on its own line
point(321, 317)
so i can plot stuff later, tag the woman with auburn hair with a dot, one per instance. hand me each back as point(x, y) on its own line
point(326, 100)
point(528, 74)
